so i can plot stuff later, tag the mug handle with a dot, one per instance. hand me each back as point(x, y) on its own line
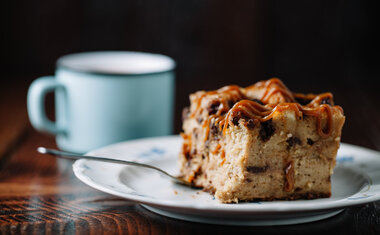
point(36, 104)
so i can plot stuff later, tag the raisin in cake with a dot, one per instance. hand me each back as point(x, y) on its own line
point(262, 142)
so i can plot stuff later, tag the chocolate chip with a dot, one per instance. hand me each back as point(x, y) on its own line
point(195, 133)
point(257, 169)
point(185, 113)
point(258, 101)
point(326, 101)
point(199, 120)
point(329, 179)
point(213, 108)
point(293, 141)
point(188, 156)
point(302, 101)
point(231, 103)
point(266, 130)
point(310, 141)
point(248, 180)
point(197, 173)
point(235, 120)
point(237, 116)
point(207, 144)
point(250, 124)
point(214, 131)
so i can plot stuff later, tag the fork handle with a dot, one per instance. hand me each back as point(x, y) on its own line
point(74, 156)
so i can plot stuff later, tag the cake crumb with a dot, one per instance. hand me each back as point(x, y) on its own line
point(175, 192)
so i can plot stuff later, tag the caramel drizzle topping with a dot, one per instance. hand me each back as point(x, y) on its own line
point(223, 161)
point(232, 92)
point(253, 110)
point(216, 150)
point(289, 177)
point(274, 86)
point(187, 144)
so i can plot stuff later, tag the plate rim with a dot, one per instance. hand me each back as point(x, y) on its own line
point(231, 208)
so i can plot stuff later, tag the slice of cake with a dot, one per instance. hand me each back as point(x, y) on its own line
point(262, 142)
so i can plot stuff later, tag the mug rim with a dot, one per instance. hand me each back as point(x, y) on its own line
point(64, 62)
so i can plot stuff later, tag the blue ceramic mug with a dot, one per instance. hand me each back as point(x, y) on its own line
point(105, 97)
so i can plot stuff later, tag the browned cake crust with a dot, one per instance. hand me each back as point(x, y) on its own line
point(262, 142)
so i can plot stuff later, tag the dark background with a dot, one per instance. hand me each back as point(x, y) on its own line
point(313, 46)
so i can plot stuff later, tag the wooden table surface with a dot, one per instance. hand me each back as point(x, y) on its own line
point(40, 194)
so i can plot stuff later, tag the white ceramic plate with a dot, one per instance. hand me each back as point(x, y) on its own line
point(356, 180)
